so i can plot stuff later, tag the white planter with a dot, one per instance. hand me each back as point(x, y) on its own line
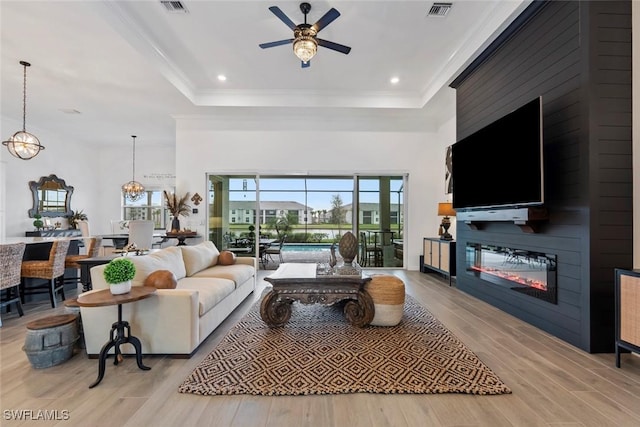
point(120, 288)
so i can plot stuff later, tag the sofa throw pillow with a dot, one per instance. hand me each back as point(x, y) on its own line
point(165, 259)
point(161, 279)
point(200, 256)
point(226, 258)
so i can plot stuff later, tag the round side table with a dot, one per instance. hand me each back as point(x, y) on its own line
point(120, 330)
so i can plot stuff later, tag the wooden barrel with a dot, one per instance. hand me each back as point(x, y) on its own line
point(50, 340)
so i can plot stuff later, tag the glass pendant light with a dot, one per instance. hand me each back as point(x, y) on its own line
point(22, 144)
point(133, 190)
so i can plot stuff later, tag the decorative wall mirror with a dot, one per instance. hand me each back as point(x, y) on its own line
point(51, 197)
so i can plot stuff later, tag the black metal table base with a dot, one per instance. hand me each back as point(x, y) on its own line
point(116, 340)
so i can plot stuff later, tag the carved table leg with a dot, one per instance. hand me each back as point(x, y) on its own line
point(360, 312)
point(274, 312)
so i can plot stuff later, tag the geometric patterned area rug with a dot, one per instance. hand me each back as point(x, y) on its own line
point(318, 352)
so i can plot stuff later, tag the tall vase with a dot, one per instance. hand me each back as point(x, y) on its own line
point(175, 224)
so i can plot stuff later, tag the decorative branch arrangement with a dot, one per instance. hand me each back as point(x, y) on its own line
point(177, 205)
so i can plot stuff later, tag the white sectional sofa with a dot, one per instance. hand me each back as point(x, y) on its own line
point(173, 321)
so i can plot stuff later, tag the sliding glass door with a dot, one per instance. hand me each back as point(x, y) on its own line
point(381, 220)
point(231, 203)
point(308, 210)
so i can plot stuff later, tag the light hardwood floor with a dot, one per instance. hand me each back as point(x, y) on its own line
point(553, 383)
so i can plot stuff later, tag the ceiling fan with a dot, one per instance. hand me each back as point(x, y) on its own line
point(305, 40)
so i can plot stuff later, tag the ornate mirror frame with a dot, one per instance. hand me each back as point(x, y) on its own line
point(45, 185)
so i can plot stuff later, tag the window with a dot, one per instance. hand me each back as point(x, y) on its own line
point(150, 207)
point(316, 209)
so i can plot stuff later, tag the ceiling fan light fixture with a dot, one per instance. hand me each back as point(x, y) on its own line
point(305, 48)
point(22, 144)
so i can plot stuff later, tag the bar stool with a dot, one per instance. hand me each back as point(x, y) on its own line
point(10, 262)
point(51, 270)
point(71, 261)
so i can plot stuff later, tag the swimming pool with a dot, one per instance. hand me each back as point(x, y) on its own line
point(306, 247)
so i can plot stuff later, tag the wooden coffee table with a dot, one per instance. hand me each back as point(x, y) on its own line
point(118, 336)
point(302, 282)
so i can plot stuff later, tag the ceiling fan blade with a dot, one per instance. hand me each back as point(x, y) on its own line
point(284, 18)
point(334, 46)
point(274, 44)
point(305, 64)
point(327, 19)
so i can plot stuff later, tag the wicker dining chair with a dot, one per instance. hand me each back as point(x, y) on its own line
point(51, 270)
point(71, 261)
point(10, 262)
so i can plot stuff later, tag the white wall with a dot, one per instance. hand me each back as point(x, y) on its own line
point(447, 134)
point(326, 145)
point(95, 173)
point(66, 159)
point(155, 169)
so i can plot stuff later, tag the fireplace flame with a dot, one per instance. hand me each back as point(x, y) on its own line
point(537, 284)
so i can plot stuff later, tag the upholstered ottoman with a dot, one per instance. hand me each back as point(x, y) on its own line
point(387, 293)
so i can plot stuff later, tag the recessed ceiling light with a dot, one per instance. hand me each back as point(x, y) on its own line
point(222, 77)
point(394, 80)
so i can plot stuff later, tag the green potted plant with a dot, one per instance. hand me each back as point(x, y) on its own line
point(37, 223)
point(75, 217)
point(118, 274)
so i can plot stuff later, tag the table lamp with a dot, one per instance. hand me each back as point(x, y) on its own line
point(446, 210)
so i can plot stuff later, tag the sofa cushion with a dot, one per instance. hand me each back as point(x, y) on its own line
point(200, 256)
point(161, 279)
point(210, 291)
point(238, 273)
point(164, 259)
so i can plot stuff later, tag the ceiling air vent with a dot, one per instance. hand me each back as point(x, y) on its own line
point(440, 9)
point(174, 6)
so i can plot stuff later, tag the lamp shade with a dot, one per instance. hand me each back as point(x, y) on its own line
point(446, 209)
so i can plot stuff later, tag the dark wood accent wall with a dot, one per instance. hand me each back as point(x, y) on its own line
point(577, 55)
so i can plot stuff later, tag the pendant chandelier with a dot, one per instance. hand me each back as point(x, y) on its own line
point(22, 144)
point(133, 190)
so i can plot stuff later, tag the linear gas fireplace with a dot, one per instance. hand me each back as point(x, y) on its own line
point(528, 272)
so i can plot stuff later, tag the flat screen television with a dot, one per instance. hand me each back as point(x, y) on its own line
point(501, 165)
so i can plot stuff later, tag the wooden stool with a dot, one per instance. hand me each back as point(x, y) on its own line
point(387, 293)
point(50, 340)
